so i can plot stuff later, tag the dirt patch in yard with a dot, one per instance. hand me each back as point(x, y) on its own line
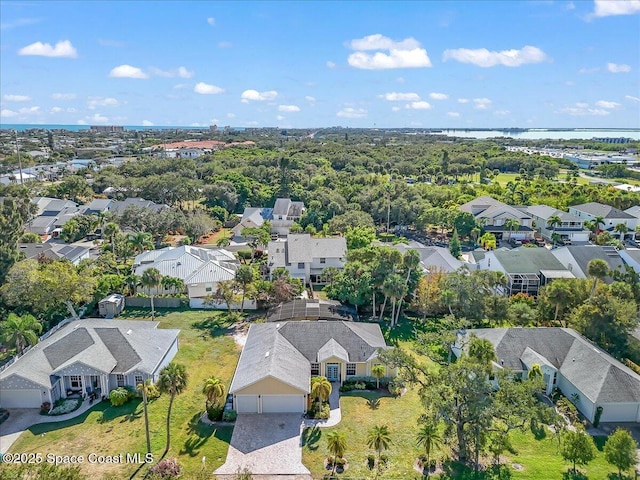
point(239, 333)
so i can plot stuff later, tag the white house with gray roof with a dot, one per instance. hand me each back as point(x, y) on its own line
point(570, 362)
point(495, 216)
point(87, 356)
point(571, 226)
point(279, 358)
point(612, 216)
point(306, 257)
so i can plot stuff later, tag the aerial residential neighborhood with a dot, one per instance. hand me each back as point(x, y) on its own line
point(289, 241)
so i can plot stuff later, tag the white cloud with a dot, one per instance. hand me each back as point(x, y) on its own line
point(463, 100)
point(127, 71)
point(407, 53)
point(582, 109)
point(180, 86)
point(395, 108)
point(482, 57)
point(481, 103)
point(400, 97)
point(181, 72)
point(606, 8)
point(94, 102)
point(453, 114)
point(29, 110)
point(63, 96)
point(224, 44)
point(380, 42)
point(147, 123)
point(206, 89)
point(256, 96)
point(280, 117)
point(570, 6)
point(501, 113)
point(618, 68)
point(632, 98)
point(421, 105)
point(350, 112)
point(231, 115)
point(309, 98)
point(211, 21)
point(56, 110)
point(606, 104)
point(81, 122)
point(438, 96)
point(6, 113)
point(97, 118)
point(62, 49)
point(16, 98)
point(288, 108)
point(71, 110)
point(331, 64)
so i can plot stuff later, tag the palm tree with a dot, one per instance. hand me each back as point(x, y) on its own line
point(172, 283)
point(598, 269)
point(592, 227)
point(140, 242)
point(151, 279)
point(213, 390)
point(428, 436)
point(621, 228)
point(410, 260)
point(599, 220)
point(488, 241)
point(321, 389)
point(173, 381)
point(337, 445)
point(378, 438)
point(554, 221)
point(378, 371)
point(223, 242)
point(558, 293)
point(110, 231)
point(482, 351)
point(535, 372)
point(144, 388)
point(245, 277)
point(474, 234)
point(512, 224)
point(21, 330)
point(394, 288)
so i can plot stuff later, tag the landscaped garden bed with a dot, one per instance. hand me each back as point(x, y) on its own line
point(66, 405)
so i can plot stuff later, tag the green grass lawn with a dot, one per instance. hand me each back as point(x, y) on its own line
point(538, 457)
point(206, 350)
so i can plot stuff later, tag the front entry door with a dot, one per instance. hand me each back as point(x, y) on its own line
point(333, 372)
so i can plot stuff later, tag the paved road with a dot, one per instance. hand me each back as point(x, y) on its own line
point(266, 444)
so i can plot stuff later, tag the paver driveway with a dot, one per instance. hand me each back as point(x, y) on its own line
point(265, 444)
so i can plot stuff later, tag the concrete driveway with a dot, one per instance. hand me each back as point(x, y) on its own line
point(19, 420)
point(266, 444)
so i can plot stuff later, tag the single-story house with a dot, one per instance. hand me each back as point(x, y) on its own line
point(576, 258)
point(55, 251)
point(585, 374)
point(87, 356)
point(306, 257)
point(432, 259)
point(278, 360)
point(252, 217)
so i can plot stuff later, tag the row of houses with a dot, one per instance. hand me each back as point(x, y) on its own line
point(498, 218)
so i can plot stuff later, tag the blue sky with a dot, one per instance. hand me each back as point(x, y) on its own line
point(310, 64)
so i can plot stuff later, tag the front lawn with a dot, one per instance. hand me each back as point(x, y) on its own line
point(206, 350)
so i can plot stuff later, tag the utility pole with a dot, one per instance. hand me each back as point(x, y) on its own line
point(19, 160)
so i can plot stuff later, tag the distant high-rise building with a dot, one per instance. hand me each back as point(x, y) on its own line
point(106, 128)
point(213, 128)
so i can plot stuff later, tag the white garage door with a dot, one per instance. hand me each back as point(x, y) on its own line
point(620, 412)
point(282, 403)
point(247, 403)
point(20, 399)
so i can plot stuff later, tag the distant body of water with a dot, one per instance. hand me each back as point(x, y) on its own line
point(540, 134)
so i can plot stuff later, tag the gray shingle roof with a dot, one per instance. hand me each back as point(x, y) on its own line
point(583, 254)
point(284, 351)
point(545, 212)
point(527, 260)
point(302, 247)
point(600, 377)
point(94, 343)
point(601, 210)
point(302, 309)
point(332, 349)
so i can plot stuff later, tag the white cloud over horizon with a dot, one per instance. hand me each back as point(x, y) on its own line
point(482, 103)
point(400, 97)
point(350, 112)
point(147, 123)
point(256, 96)
point(95, 102)
point(453, 114)
point(16, 98)
point(127, 71)
point(581, 109)
point(607, 8)
point(438, 96)
point(419, 105)
point(484, 58)
point(632, 98)
point(181, 72)
point(62, 49)
point(618, 67)
point(288, 108)
point(407, 53)
point(607, 105)
point(207, 89)
point(63, 96)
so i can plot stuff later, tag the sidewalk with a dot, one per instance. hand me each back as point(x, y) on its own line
point(20, 419)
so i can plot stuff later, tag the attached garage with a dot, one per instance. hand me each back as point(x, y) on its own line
point(620, 412)
point(246, 403)
point(283, 403)
point(30, 398)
